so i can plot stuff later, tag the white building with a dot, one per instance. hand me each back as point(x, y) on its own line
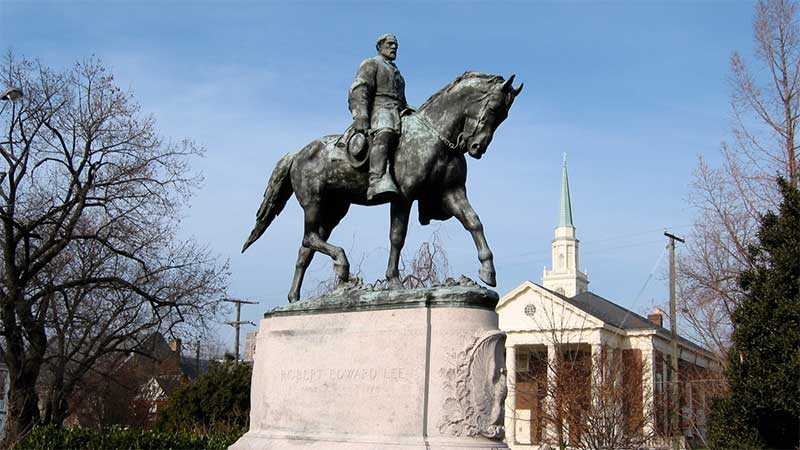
point(561, 319)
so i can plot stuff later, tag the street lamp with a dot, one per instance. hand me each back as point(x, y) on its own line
point(11, 95)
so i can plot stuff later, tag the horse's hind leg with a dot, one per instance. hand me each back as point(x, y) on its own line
point(313, 239)
point(305, 255)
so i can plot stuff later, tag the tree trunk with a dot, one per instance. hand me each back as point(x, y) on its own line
point(56, 407)
point(24, 366)
point(23, 408)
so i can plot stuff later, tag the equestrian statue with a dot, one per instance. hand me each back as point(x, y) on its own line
point(391, 154)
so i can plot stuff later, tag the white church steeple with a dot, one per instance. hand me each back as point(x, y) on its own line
point(565, 277)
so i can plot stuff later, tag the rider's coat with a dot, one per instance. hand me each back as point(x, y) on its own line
point(378, 94)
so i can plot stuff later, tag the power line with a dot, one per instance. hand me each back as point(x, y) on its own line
point(650, 276)
point(607, 239)
point(606, 249)
point(543, 254)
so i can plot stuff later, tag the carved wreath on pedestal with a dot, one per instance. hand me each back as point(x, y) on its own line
point(476, 389)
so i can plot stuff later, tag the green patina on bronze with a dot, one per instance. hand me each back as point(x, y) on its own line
point(428, 166)
point(352, 300)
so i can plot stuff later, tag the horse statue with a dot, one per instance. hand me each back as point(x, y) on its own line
point(428, 164)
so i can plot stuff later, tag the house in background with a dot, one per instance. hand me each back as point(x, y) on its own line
point(157, 390)
point(559, 331)
point(140, 385)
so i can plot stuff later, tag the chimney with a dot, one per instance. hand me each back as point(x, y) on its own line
point(175, 346)
point(656, 317)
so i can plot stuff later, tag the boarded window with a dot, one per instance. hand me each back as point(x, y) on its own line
point(632, 395)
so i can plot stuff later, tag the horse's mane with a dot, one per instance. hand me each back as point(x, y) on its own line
point(485, 77)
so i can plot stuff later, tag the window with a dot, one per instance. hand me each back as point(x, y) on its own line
point(523, 363)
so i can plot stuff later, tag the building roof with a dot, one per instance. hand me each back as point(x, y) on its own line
point(620, 317)
point(565, 214)
point(160, 387)
point(609, 312)
point(169, 383)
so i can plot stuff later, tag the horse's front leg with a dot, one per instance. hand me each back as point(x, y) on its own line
point(397, 236)
point(455, 201)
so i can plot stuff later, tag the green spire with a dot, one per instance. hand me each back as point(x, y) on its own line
point(565, 215)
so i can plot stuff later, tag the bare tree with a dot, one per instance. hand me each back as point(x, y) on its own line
point(428, 267)
point(699, 387)
point(765, 106)
point(89, 210)
point(615, 411)
point(584, 399)
point(109, 395)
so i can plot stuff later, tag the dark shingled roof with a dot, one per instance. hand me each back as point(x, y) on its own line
point(617, 316)
point(609, 312)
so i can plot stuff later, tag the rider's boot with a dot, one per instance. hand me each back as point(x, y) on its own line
point(381, 184)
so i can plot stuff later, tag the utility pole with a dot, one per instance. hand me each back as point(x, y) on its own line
point(238, 322)
point(673, 325)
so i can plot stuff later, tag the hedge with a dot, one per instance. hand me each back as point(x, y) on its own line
point(216, 400)
point(116, 438)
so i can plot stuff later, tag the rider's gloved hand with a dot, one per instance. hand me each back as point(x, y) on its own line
point(361, 124)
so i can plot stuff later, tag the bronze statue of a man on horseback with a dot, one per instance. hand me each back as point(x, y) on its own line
point(391, 154)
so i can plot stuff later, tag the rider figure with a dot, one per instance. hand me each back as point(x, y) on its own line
point(377, 100)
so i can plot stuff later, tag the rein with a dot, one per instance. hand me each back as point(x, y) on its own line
point(424, 120)
point(463, 136)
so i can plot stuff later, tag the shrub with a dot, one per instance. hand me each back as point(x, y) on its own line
point(56, 438)
point(216, 401)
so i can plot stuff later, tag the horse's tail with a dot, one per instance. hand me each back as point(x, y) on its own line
point(278, 191)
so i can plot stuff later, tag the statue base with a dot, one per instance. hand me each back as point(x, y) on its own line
point(397, 369)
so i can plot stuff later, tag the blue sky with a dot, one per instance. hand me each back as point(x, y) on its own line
point(633, 92)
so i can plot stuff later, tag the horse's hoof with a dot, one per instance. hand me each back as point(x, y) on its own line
point(342, 273)
point(293, 297)
point(488, 277)
point(394, 283)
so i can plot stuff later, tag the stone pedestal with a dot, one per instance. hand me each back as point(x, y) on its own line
point(407, 369)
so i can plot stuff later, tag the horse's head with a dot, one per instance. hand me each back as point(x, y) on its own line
point(486, 113)
point(470, 108)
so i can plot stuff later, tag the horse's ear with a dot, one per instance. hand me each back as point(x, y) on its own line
point(507, 84)
point(518, 90)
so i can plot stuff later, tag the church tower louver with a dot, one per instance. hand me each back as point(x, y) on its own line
point(565, 277)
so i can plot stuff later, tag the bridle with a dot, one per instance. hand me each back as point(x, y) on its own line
point(464, 135)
